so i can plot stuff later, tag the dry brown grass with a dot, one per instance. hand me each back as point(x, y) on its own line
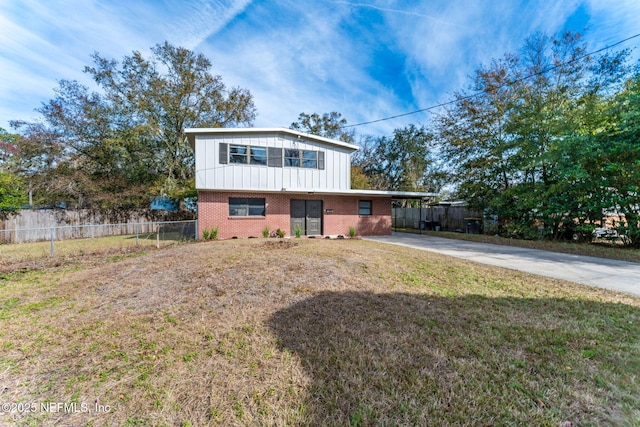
point(313, 332)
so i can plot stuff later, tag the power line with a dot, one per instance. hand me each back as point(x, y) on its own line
point(473, 95)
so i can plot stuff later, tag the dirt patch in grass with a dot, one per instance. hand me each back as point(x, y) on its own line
point(313, 332)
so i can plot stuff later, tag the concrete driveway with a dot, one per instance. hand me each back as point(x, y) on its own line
point(609, 274)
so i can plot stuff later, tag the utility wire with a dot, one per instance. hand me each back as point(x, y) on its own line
point(473, 95)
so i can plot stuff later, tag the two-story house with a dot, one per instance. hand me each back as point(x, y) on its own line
point(255, 178)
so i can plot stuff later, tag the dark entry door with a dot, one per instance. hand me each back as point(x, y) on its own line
point(306, 214)
point(314, 217)
point(298, 215)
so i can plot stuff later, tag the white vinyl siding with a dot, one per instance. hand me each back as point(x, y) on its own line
point(322, 166)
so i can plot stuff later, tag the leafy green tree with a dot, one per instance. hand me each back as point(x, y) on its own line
point(619, 154)
point(125, 143)
point(329, 125)
point(474, 140)
point(7, 147)
point(401, 162)
point(12, 187)
point(522, 144)
point(359, 180)
point(12, 194)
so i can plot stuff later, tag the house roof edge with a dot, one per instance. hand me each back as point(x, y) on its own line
point(192, 132)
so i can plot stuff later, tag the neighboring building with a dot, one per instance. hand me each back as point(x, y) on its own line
point(252, 178)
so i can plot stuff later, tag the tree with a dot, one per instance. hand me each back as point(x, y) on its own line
point(521, 145)
point(126, 143)
point(619, 156)
point(12, 194)
point(401, 162)
point(7, 147)
point(473, 137)
point(329, 125)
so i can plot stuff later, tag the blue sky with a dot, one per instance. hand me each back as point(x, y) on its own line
point(365, 59)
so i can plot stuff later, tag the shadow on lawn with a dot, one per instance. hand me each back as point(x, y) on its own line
point(405, 359)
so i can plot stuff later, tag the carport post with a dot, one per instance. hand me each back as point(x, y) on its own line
point(420, 218)
point(395, 217)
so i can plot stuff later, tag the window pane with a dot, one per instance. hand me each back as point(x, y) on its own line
point(365, 207)
point(258, 156)
point(292, 158)
point(238, 207)
point(256, 207)
point(310, 159)
point(246, 207)
point(238, 154)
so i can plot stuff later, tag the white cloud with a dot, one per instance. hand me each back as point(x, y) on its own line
point(615, 21)
point(294, 56)
point(43, 42)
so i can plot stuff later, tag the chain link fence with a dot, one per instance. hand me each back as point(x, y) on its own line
point(47, 240)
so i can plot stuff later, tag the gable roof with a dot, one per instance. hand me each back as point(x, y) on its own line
point(192, 132)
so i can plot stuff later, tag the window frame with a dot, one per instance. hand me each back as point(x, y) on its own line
point(302, 158)
point(253, 156)
point(260, 155)
point(245, 154)
point(362, 210)
point(233, 156)
point(239, 205)
point(290, 160)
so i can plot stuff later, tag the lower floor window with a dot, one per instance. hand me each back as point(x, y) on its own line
point(246, 206)
point(364, 207)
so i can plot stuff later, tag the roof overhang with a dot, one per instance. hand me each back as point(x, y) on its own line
point(191, 134)
point(353, 192)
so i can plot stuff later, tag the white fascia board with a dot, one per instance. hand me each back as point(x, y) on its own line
point(398, 194)
point(370, 193)
point(192, 132)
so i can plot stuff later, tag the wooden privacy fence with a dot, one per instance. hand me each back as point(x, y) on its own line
point(38, 225)
point(444, 218)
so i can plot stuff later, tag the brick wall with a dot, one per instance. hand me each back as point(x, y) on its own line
point(213, 211)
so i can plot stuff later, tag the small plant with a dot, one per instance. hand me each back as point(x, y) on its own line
point(352, 232)
point(210, 233)
point(280, 233)
point(298, 231)
point(266, 232)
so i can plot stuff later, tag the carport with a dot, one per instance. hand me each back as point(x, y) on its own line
point(398, 201)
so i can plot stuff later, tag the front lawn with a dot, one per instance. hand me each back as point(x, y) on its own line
point(311, 332)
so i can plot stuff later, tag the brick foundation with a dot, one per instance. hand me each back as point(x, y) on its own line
point(213, 211)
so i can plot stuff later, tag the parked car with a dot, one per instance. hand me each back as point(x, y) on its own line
point(605, 233)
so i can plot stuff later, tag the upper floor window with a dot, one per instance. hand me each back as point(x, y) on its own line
point(238, 154)
point(258, 156)
point(301, 158)
point(271, 156)
point(247, 154)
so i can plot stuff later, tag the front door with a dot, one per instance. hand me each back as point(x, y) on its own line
point(314, 217)
point(306, 214)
